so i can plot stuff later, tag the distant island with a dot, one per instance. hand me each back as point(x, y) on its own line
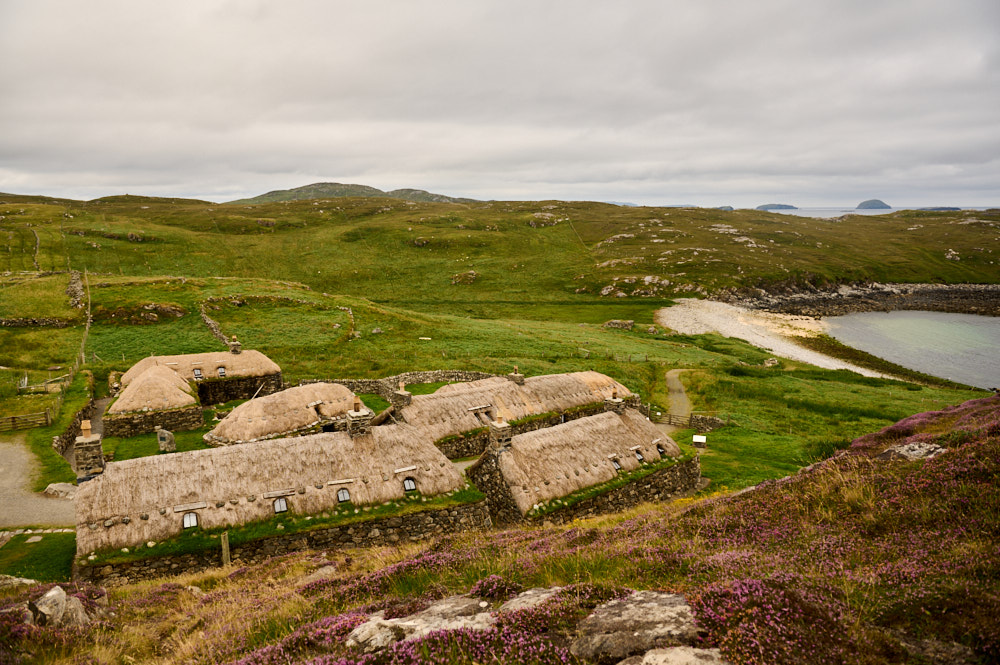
point(324, 190)
point(940, 209)
point(874, 204)
point(777, 206)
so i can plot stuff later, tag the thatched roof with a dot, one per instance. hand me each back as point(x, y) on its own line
point(447, 411)
point(551, 463)
point(308, 470)
point(247, 363)
point(282, 413)
point(155, 389)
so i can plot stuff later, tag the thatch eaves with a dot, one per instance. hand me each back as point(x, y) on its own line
point(238, 484)
point(247, 363)
point(282, 414)
point(158, 388)
point(554, 462)
point(451, 410)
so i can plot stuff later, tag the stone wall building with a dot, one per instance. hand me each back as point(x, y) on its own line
point(285, 413)
point(169, 391)
point(521, 473)
point(154, 498)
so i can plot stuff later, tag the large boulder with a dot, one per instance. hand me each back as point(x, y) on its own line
point(448, 614)
point(913, 451)
point(55, 608)
point(677, 656)
point(634, 625)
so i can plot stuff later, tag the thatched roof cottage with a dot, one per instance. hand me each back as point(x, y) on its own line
point(216, 364)
point(283, 413)
point(462, 407)
point(154, 498)
point(521, 472)
point(159, 388)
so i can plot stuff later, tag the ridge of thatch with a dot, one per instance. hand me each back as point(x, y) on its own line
point(247, 363)
point(554, 462)
point(282, 413)
point(237, 484)
point(156, 389)
point(450, 410)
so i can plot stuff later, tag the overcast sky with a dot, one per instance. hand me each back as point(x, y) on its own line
point(818, 102)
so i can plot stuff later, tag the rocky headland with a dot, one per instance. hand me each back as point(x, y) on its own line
point(983, 299)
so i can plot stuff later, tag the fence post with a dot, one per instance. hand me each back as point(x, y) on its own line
point(225, 548)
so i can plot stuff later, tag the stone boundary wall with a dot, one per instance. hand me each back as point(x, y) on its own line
point(125, 425)
point(470, 446)
point(413, 527)
point(218, 391)
point(65, 440)
point(956, 298)
point(212, 325)
point(706, 423)
point(672, 482)
point(386, 386)
point(34, 323)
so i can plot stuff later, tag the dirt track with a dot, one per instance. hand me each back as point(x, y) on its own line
point(21, 506)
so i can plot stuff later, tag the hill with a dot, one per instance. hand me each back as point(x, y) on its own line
point(864, 558)
point(329, 190)
point(874, 204)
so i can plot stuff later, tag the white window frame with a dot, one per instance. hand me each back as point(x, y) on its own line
point(197, 374)
point(222, 372)
point(190, 520)
point(343, 495)
point(638, 455)
point(409, 484)
point(616, 464)
point(280, 505)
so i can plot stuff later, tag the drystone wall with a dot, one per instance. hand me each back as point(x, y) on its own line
point(33, 323)
point(132, 424)
point(64, 440)
point(413, 527)
point(672, 482)
point(385, 387)
point(219, 391)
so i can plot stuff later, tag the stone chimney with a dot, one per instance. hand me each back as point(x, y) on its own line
point(500, 434)
point(234, 346)
point(88, 454)
point(359, 419)
point(401, 397)
point(516, 377)
point(615, 403)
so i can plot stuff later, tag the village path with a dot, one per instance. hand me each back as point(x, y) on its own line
point(21, 506)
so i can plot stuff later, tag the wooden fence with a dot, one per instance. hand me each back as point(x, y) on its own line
point(28, 420)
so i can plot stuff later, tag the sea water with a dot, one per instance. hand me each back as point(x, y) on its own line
point(959, 347)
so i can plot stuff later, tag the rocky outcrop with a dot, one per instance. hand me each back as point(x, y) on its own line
point(846, 299)
point(913, 451)
point(55, 608)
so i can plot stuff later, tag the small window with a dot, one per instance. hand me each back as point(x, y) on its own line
point(190, 520)
point(343, 495)
point(638, 456)
point(222, 372)
point(197, 374)
point(280, 505)
point(409, 485)
point(660, 450)
point(614, 463)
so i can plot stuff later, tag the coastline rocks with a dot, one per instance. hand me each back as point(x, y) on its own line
point(846, 299)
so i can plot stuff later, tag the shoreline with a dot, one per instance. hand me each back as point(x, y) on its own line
point(773, 331)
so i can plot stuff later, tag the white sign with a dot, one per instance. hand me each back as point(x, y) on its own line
point(699, 438)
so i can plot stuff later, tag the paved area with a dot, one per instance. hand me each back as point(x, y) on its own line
point(21, 506)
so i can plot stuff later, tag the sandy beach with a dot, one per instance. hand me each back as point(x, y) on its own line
point(766, 330)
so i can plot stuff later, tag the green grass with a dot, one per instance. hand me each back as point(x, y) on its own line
point(39, 348)
point(37, 297)
point(49, 560)
point(145, 445)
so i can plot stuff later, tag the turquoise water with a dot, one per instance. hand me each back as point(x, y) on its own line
point(960, 347)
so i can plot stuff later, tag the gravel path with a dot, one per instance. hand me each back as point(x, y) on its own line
point(762, 329)
point(22, 507)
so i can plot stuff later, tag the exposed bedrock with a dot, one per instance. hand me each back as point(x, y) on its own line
point(956, 298)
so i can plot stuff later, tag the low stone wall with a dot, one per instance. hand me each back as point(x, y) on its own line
point(125, 425)
point(413, 527)
point(669, 483)
point(386, 386)
point(33, 323)
point(64, 440)
point(219, 391)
